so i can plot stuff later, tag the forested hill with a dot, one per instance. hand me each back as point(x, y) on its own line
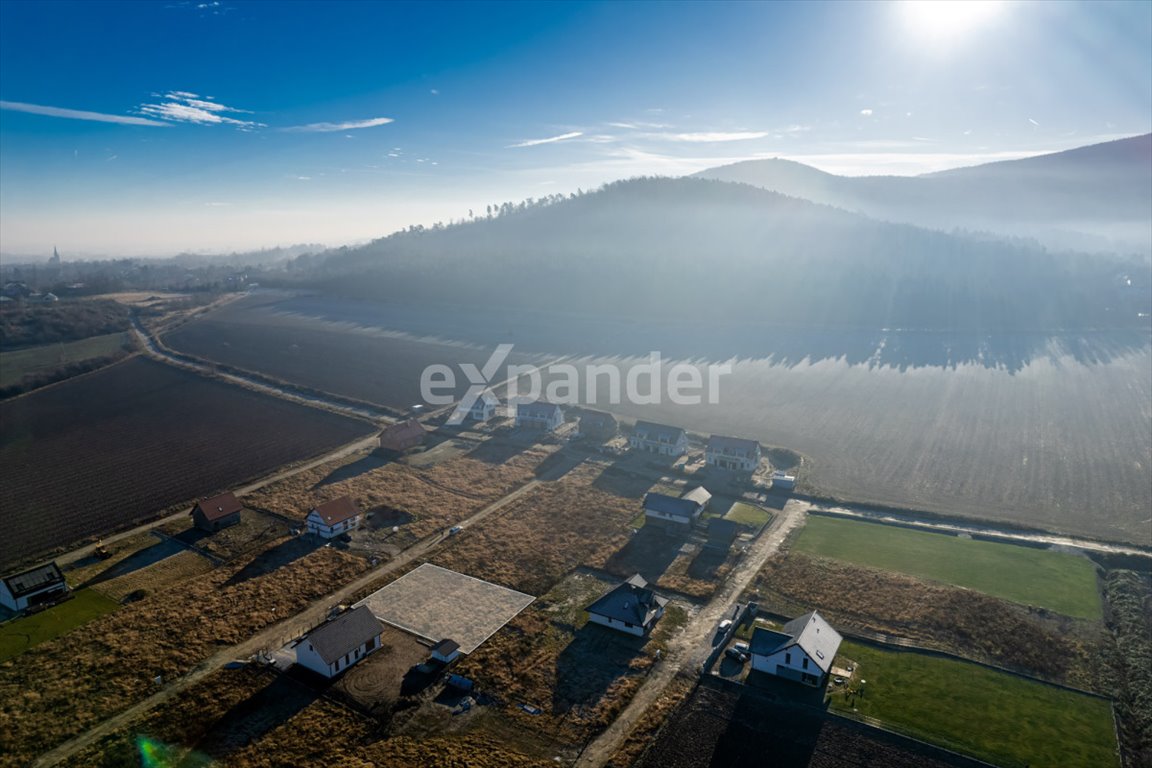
point(1097, 197)
point(653, 247)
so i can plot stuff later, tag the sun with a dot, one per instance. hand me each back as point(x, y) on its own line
point(937, 21)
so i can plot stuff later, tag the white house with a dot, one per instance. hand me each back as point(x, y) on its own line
point(674, 513)
point(38, 585)
point(733, 453)
point(539, 415)
point(783, 481)
point(338, 644)
point(630, 607)
point(333, 518)
point(658, 438)
point(803, 651)
point(446, 651)
point(484, 408)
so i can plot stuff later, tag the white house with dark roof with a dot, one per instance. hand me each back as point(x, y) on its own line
point(658, 438)
point(676, 513)
point(630, 607)
point(484, 407)
point(333, 518)
point(338, 644)
point(539, 415)
point(732, 453)
point(42, 584)
point(802, 651)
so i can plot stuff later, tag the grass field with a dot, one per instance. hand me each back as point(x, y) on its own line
point(748, 514)
point(19, 363)
point(21, 634)
point(1055, 580)
point(997, 717)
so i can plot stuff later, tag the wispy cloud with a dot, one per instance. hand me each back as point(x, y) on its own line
point(707, 137)
point(334, 127)
point(866, 112)
point(549, 140)
point(78, 114)
point(185, 107)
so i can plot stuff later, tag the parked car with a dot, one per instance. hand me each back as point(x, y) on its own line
point(724, 625)
point(736, 655)
point(742, 647)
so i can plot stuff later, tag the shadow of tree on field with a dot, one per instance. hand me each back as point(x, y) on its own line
point(268, 561)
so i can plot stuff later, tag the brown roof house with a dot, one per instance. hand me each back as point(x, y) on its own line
point(217, 512)
point(333, 518)
point(402, 435)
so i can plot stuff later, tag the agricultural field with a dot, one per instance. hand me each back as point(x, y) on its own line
point(20, 634)
point(32, 361)
point(1058, 581)
point(147, 437)
point(991, 715)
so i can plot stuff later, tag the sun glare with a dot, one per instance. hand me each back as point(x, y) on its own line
point(936, 21)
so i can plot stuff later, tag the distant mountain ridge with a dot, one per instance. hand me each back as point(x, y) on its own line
point(1097, 197)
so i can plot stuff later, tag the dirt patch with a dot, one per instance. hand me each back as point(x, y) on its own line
point(376, 683)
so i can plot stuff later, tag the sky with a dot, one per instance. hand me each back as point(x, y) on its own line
point(152, 128)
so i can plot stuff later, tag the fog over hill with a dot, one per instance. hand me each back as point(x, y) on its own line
point(658, 248)
point(1096, 198)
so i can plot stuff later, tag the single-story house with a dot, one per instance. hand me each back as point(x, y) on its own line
point(598, 425)
point(734, 453)
point(42, 584)
point(217, 512)
point(402, 435)
point(446, 651)
point(672, 513)
point(630, 607)
point(658, 438)
point(338, 644)
point(485, 407)
point(539, 415)
point(783, 481)
point(803, 651)
point(333, 518)
point(721, 533)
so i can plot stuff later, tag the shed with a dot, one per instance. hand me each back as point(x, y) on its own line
point(721, 533)
point(217, 512)
point(446, 651)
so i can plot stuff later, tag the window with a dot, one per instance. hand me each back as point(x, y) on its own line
point(804, 664)
point(787, 658)
point(627, 624)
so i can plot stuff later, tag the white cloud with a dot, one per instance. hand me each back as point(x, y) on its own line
point(549, 140)
point(866, 112)
point(704, 137)
point(186, 107)
point(77, 114)
point(334, 127)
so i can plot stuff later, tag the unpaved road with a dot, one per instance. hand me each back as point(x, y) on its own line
point(689, 649)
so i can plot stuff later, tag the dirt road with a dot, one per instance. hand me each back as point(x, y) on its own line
point(688, 650)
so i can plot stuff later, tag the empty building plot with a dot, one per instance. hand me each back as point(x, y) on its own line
point(437, 604)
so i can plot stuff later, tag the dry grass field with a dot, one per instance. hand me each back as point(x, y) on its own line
point(148, 437)
point(62, 687)
point(154, 578)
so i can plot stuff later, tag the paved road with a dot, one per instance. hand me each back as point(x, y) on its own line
point(688, 650)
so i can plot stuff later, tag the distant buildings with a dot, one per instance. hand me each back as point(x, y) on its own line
point(732, 453)
point(333, 518)
point(484, 408)
point(597, 425)
point(658, 438)
point(217, 512)
point(35, 586)
point(539, 415)
point(402, 435)
point(630, 607)
point(803, 651)
point(338, 644)
point(675, 514)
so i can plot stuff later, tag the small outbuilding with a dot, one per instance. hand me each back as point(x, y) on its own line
point(338, 644)
point(597, 425)
point(402, 435)
point(539, 415)
point(36, 586)
point(217, 512)
point(333, 518)
point(783, 481)
point(630, 607)
point(446, 651)
point(721, 534)
point(802, 651)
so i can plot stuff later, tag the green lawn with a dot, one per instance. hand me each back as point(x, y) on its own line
point(23, 633)
point(16, 364)
point(748, 514)
point(995, 716)
point(1058, 581)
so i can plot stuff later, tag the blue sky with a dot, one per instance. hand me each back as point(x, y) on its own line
point(143, 128)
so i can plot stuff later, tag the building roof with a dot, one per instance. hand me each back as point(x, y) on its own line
point(400, 432)
point(698, 495)
point(345, 633)
point(538, 409)
point(732, 445)
point(486, 399)
point(810, 633)
point(649, 430)
point(723, 530)
point(597, 420)
point(766, 641)
point(631, 602)
point(337, 510)
point(446, 647)
point(34, 579)
point(219, 506)
point(669, 505)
